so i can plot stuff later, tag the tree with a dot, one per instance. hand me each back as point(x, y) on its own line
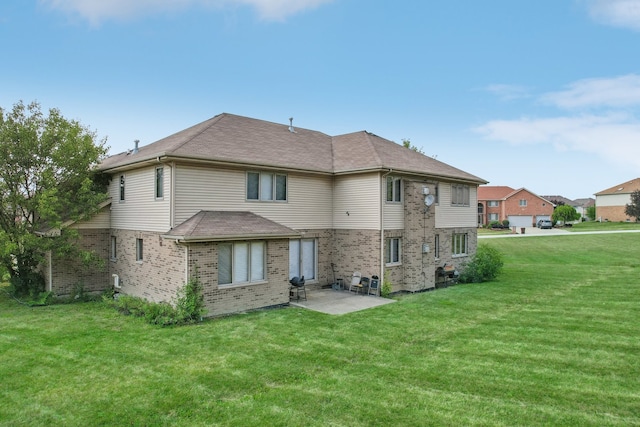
point(406, 142)
point(47, 177)
point(565, 214)
point(633, 209)
point(591, 213)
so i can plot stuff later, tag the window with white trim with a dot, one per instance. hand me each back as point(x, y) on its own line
point(492, 203)
point(139, 249)
point(266, 186)
point(241, 262)
point(493, 217)
point(159, 182)
point(393, 251)
point(114, 253)
point(523, 202)
point(459, 195)
point(459, 244)
point(303, 258)
point(394, 189)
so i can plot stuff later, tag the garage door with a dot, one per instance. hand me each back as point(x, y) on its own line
point(520, 220)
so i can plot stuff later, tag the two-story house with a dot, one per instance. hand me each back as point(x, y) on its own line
point(246, 205)
point(520, 207)
point(611, 203)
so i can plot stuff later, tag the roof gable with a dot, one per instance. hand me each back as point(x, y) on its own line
point(624, 188)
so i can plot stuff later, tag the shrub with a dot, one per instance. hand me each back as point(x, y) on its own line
point(385, 291)
point(505, 223)
point(189, 306)
point(190, 303)
point(484, 266)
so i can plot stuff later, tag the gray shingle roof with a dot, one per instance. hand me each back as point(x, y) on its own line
point(228, 225)
point(229, 138)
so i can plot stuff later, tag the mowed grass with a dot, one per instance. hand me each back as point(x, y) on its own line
point(555, 341)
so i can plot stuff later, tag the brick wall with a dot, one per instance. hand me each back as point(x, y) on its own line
point(69, 273)
point(356, 250)
point(161, 272)
point(612, 213)
point(228, 299)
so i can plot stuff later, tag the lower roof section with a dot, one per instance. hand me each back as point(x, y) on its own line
point(207, 226)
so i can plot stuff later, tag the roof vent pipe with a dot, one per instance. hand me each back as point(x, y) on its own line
point(135, 147)
point(291, 129)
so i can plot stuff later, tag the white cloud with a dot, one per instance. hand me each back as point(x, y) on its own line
point(618, 13)
point(613, 137)
point(508, 92)
point(623, 91)
point(97, 11)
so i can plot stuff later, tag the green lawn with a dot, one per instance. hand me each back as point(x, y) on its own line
point(554, 342)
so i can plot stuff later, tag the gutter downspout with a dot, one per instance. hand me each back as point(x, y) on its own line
point(382, 202)
point(50, 270)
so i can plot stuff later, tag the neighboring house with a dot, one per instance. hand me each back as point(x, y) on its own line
point(521, 207)
point(611, 203)
point(580, 205)
point(246, 205)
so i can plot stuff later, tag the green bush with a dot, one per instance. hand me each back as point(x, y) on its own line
point(484, 266)
point(505, 223)
point(189, 306)
point(385, 291)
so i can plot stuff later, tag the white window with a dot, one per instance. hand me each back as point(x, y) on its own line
point(459, 244)
point(122, 188)
point(493, 217)
point(266, 186)
point(394, 189)
point(523, 202)
point(241, 262)
point(114, 253)
point(139, 249)
point(459, 195)
point(393, 251)
point(303, 256)
point(492, 203)
point(159, 182)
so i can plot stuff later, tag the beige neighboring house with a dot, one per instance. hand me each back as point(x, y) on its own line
point(246, 205)
point(611, 203)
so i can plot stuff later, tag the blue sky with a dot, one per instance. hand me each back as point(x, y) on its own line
point(541, 94)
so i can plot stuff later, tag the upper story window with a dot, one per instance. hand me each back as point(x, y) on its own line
point(266, 186)
point(459, 195)
point(523, 202)
point(159, 182)
point(122, 188)
point(394, 189)
point(492, 203)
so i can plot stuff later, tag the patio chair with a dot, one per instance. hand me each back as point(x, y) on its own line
point(355, 282)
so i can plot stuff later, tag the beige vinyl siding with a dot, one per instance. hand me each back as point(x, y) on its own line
point(448, 216)
point(99, 221)
point(393, 216)
point(360, 196)
point(140, 209)
point(613, 200)
point(308, 204)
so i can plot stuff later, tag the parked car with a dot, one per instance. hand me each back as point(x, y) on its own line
point(545, 223)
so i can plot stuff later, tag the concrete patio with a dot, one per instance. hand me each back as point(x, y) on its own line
point(331, 301)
